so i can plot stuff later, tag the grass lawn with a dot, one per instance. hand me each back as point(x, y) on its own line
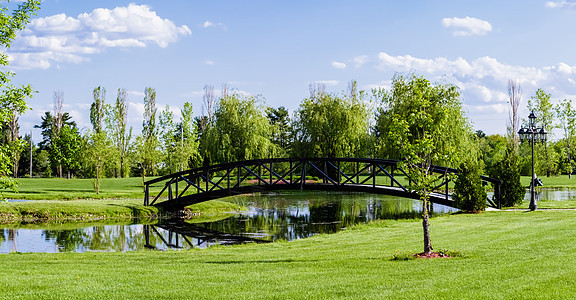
point(66, 189)
point(507, 255)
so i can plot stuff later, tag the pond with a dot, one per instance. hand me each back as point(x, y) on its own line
point(270, 217)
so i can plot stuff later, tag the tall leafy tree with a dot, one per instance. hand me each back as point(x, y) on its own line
point(330, 125)
point(279, 119)
point(541, 105)
point(240, 131)
point(147, 143)
point(188, 154)
point(118, 122)
point(167, 140)
point(99, 146)
point(566, 115)
point(418, 119)
point(12, 98)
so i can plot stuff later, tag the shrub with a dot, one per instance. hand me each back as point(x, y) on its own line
point(508, 171)
point(469, 195)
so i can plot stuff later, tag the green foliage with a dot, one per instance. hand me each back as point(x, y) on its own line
point(414, 106)
point(329, 125)
point(469, 195)
point(516, 247)
point(240, 131)
point(279, 119)
point(417, 124)
point(566, 115)
point(508, 171)
point(12, 98)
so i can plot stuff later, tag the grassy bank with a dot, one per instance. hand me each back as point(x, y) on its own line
point(91, 210)
point(507, 255)
point(66, 189)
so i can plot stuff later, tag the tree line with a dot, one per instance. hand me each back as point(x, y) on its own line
point(236, 126)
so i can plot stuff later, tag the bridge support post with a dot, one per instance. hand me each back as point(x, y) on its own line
point(146, 195)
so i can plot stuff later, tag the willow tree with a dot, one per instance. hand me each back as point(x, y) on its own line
point(240, 131)
point(331, 125)
point(423, 124)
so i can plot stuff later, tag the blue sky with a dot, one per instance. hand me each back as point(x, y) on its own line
point(278, 48)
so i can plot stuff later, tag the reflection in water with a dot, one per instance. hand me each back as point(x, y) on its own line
point(270, 217)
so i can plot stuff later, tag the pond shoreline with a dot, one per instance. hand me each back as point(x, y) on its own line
point(42, 211)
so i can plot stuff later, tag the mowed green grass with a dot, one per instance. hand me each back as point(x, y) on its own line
point(507, 255)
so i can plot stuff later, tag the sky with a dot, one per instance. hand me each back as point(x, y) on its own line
point(277, 49)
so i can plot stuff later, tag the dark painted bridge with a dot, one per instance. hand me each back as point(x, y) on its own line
point(379, 176)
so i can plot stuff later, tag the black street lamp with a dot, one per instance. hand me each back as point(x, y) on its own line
point(532, 134)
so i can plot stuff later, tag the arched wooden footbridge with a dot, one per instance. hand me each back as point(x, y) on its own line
point(380, 176)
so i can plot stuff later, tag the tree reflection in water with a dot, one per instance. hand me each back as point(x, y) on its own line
point(271, 217)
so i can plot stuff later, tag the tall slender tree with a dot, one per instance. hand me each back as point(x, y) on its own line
point(566, 115)
point(541, 105)
point(98, 150)
point(148, 142)
point(118, 123)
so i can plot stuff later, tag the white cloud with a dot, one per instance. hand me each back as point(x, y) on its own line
point(328, 82)
point(209, 24)
point(60, 38)
point(483, 81)
point(209, 62)
point(467, 26)
point(339, 65)
point(561, 4)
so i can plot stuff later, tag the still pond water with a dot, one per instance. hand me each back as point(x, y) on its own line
point(270, 217)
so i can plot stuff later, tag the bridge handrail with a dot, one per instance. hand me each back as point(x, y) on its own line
point(224, 166)
point(193, 177)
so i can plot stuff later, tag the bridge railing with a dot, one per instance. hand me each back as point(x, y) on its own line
point(291, 173)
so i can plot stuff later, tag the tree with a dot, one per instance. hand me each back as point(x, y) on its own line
point(508, 171)
point(280, 122)
point(419, 119)
point(469, 195)
point(118, 121)
point(98, 144)
point(567, 122)
point(66, 150)
point(12, 98)
point(541, 105)
point(330, 125)
point(240, 131)
point(147, 143)
point(188, 155)
point(514, 99)
point(167, 140)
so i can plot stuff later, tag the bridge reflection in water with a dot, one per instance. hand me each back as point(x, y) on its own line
point(286, 216)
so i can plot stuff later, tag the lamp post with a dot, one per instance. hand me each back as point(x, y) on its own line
point(532, 134)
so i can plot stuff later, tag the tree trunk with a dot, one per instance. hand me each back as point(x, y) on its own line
point(143, 177)
point(426, 226)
